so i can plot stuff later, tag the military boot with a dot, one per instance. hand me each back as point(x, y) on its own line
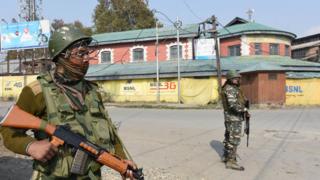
point(225, 156)
point(232, 164)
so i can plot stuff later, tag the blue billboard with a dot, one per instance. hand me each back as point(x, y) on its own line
point(25, 35)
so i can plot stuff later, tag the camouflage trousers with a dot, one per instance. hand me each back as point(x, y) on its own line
point(37, 175)
point(232, 138)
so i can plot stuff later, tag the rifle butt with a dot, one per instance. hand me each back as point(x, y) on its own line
point(17, 118)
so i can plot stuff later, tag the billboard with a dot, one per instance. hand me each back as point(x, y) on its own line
point(25, 35)
point(204, 49)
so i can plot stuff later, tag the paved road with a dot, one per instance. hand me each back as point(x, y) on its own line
point(284, 144)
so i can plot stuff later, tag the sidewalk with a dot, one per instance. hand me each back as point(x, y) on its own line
point(162, 105)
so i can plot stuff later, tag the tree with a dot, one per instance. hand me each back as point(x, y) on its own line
point(86, 30)
point(58, 23)
point(122, 15)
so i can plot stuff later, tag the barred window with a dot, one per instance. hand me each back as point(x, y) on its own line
point(138, 54)
point(274, 49)
point(106, 57)
point(257, 49)
point(234, 50)
point(174, 52)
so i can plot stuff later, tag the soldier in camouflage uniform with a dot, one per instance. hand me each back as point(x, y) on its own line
point(63, 97)
point(234, 109)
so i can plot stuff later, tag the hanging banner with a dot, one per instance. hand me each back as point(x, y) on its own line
point(25, 35)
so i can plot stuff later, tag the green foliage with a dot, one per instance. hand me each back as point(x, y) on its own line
point(58, 23)
point(122, 15)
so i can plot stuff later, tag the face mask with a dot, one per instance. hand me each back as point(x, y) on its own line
point(75, 61)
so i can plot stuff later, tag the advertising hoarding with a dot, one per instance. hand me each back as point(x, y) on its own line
point(25, 35)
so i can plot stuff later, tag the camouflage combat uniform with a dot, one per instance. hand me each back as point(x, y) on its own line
point(234, 107)
point(61, 100)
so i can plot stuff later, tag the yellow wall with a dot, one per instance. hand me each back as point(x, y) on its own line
point(11, 86)
point(302, 91)
point(193, 91)
point(199, 91)
point(267, 39)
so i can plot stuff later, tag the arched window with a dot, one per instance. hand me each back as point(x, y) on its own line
point(174, 52)
point(138, 55)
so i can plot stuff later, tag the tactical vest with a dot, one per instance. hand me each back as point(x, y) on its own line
point(93, 123)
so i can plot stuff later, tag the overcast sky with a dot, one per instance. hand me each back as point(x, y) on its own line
point(296, 16)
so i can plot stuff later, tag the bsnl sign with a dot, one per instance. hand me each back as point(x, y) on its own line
point(294, 89)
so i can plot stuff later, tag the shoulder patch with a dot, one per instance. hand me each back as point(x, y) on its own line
point(35, 87)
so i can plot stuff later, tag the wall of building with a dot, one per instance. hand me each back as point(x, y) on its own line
point(260, 89)
point(249, 85)
point(271, 91)
point(122, 53)
point(226, 42)
point(193, 91)
point(303, 91)
point(11, 86)
point(265, 41)
point(247, 44)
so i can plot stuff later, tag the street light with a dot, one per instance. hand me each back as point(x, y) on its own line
point(157, 59)
point(178, 25)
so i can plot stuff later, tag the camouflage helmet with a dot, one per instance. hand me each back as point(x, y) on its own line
point(232, 74)
point(63, 38)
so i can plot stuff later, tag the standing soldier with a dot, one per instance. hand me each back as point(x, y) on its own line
point(234, 109)
point(64, 97)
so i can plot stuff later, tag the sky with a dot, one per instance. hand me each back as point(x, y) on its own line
point(296, 16)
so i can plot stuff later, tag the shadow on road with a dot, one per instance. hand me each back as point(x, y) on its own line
point(15, 168)
point(217, 146)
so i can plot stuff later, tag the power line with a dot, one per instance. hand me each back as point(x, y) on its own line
point(136, 39)
point(192, 12)
point(250, 45)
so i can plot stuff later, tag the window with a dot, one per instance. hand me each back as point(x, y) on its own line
point(272, 76)
point(105, 57)
point(274, 49)
point(138, 54)
point(299, 54)
point(174, 52)
point(234, 50)
point(287, 50)
point(257, 49)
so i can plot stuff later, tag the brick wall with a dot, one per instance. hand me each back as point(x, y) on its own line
point(225, 43)
point(122, 54)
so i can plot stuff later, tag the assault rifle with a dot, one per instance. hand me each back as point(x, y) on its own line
point(246, 117)
point(62, 135)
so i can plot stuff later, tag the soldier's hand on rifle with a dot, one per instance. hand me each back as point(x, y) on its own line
point(41, 150)
point(248, 115)
point(129, 173)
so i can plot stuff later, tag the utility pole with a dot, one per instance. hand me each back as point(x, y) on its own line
point(157, 58)
point(178, 25)
point(216, 45)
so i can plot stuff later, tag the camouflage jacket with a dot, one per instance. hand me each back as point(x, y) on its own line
point(233, 102)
